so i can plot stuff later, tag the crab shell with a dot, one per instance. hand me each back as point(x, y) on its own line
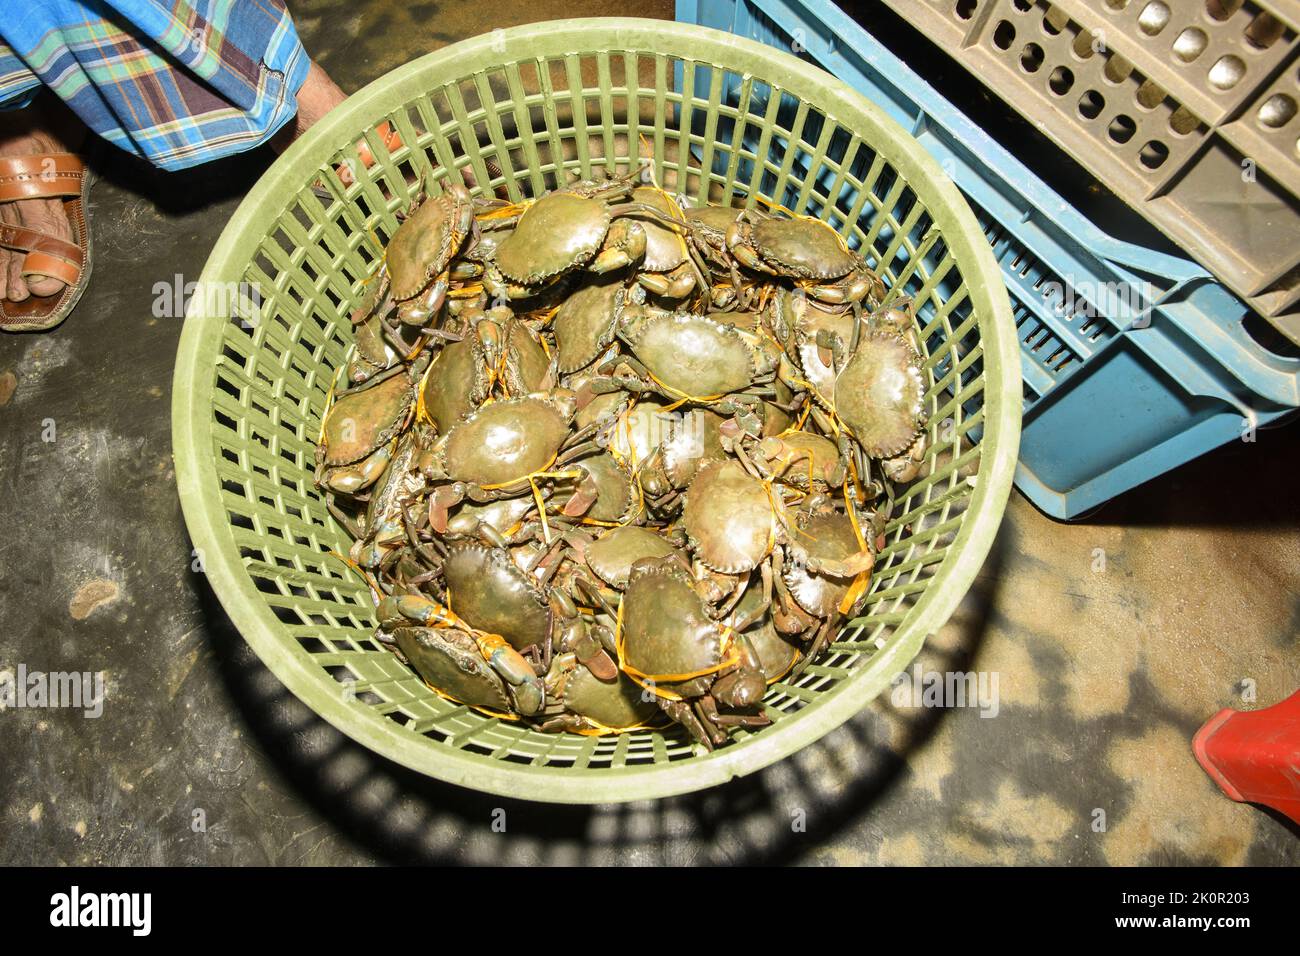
point(527, 366)
point(728, 518)
point(364, 421)
point(505, 441)
point(796, 319)
point(803, 248)
point(488, 591)
point(612, 555)
point(776, 654)
point(449, 660)
point(604, 408)
point(664, 247)
point(828, 536)
point(636, 435)
point(744, 321)
point(879, 394)
point(616, 703)
point(455, 384)
point(585, 324)
point(396, 483)
point(712, 221)
point(775, 419)
point(423, 245)
point(559, 232)
point(692, 439)
point(666, 626)
point(614, 487)
point(788, 455)
point(502, 515)
point(371, 347)
point(694, 355)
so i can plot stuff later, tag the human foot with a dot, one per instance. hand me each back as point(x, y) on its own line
point(23, 134)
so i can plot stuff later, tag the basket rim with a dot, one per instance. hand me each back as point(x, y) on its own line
point(197, 477)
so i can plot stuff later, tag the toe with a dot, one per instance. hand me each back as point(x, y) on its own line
point(46, 216)
point(15, 287)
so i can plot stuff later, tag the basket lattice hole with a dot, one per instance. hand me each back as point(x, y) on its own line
point(1222, 9)
point(1190, 44)
point(965, 9)
point(1183, 121)
point(1226, 72)
point(1117, 69)
point(1091, 104)
point(1153, 18)
point(1150, 95)
point(1054, 21)
point(1264, 30)
point(1121, 129)
point(1153, 154)
point(1061, 80)
point(1004, 35)
point(1031, 58)
point(1276, 111)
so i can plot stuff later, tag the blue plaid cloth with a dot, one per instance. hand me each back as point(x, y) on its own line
point(177, 82)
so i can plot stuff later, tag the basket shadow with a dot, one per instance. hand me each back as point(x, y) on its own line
point(779, 815)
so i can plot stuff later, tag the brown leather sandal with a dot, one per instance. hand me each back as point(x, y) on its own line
point(46, 176)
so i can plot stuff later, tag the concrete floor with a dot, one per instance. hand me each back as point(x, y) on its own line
point(202, 757)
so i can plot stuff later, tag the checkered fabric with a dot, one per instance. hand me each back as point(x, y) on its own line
point(177, 82)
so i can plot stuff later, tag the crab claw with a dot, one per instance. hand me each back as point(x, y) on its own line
point(349, 479)
point(400, 610)
point(526, 687)
point(740, 690)
point(593, 657)
point(624, 245)
point(671, 285)
point(420, 310)
point(582, 499)
point(441, 502)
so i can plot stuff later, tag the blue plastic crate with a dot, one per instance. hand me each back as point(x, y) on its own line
point(1134, 361)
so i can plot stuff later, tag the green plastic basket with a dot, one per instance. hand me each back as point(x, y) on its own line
point(548, 100)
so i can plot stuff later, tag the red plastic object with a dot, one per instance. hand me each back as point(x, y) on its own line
point(1254, 756)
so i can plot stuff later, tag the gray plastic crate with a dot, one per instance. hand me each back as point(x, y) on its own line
point(1186, 109)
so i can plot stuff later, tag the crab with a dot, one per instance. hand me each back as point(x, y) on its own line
point(800, 459)
point(593, 704)
point(707, 244)
point(489, 591)
point(585, 324)
point(671, 645)
point(467, 664)
point(492, 347)
point(879, 392)
point(358, 431)
point(586, 225)
point(803, 249)
point(692, 359)
point(605, 491)
point(373, 352)
point(612, 555)
point(388, 510)
point(419, 254)
point(730, 518)
point(752, 616)
point(499, 451)
point(666, 268)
